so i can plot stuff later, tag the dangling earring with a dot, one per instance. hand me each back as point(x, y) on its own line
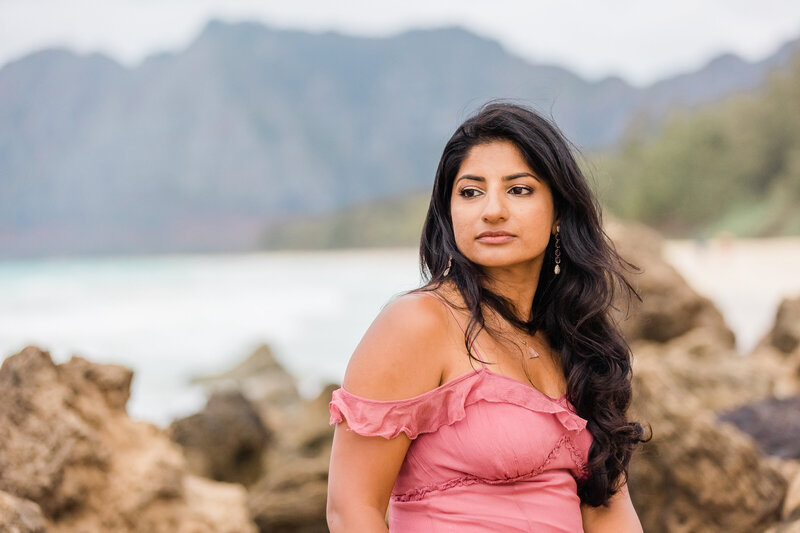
point(557, 268)
point(449, 264)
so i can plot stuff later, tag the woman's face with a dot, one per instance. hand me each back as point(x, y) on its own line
point(502, 214)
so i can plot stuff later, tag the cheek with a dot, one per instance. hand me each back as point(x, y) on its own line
point(539, 216)
point(462, 229)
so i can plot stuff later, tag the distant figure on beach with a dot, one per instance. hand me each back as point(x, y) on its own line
point(493, 398)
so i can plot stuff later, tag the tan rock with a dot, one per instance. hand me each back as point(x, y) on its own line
point(260, 378)
point(696, 475)
point(792, 526)
point(67, 444)
point(292, 496)
point(785, 334)
point(310, 433)
point(791, 504)
point(20, 516)
point(215, 507)
point(715, 374)
point(291, 493)
point(773, 423)
point(786, 366)
point(670, 307)
point(225, 441)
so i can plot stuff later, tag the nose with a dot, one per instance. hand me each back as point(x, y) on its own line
point(494, 208)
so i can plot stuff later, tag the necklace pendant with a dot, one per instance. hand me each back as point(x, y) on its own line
point(532, 354)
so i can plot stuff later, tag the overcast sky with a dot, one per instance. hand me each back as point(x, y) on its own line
point(638, 40)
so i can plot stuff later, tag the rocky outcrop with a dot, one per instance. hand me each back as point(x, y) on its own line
point(68, 447)
point(791, 504)
point(20, 516)
point(677, 478)
point(785, 334)
point(71, 460)
point(699, 473)
point(225, 441)
point(669, 308)
point(773, 423)
point(790, 515)
point(293, 495)
point(696, 475)
point(716, 376)
point(260, 378)
point(783, 342)
point(289, 492)
point(785, 527)
point(686, 371)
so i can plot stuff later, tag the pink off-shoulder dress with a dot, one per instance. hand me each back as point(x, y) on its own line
point(488, 454)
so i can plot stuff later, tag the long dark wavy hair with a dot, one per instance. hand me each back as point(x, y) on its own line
point(573, 308)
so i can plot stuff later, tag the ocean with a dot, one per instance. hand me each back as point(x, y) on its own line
point(174, 317)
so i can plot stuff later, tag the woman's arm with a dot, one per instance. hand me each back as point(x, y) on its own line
point(362, 473)
point(396, 359)
point(618, 517)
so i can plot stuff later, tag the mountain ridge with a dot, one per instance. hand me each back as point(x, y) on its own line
point(250, 124)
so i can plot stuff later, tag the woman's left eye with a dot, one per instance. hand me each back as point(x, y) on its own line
point(520, 189)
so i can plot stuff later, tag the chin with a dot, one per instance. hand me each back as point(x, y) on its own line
point(501, 262)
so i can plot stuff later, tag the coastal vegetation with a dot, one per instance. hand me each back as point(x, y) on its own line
point(396, 222)
point(732, 167)
point(210, 148)
point(728, 168)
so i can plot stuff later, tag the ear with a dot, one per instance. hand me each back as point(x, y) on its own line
point(556, 226)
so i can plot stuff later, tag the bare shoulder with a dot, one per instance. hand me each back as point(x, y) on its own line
point(400, 355)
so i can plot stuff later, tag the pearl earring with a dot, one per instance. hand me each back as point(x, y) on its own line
point(449, 264)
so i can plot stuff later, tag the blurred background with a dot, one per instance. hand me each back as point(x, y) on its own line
point(221, 196)
point(183, 181)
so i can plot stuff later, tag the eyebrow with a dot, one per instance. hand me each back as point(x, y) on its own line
point(510, 177)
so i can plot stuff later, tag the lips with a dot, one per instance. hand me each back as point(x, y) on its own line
point(494, 237)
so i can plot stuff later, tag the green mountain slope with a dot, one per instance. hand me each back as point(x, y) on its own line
point(389, 223)
point(733, 167)
point(199, 149)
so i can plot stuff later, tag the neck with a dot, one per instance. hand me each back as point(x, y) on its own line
point(517, 284)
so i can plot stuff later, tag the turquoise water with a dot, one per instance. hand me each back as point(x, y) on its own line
point(173, 317)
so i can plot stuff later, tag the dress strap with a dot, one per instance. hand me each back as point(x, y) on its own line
point(464, 331)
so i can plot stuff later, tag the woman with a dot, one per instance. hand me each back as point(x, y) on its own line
point(493, 398)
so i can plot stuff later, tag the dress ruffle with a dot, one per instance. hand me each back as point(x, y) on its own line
point(444, 405)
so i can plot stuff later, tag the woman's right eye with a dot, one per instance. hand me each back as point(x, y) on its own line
point(468, 192)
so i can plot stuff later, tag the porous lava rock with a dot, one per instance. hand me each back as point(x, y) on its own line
point(292, 495)
point(696, 474)
point(669, 307)
point(785, 334)
point(68, 446)
point(259, 377)
point(20, 516)
point(290, 492)
point(773, 423)
point(225, 441)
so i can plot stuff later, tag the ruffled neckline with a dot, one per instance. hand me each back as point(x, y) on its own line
point(445, 405)
point(560, 399)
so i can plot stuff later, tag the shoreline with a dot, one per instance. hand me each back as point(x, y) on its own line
point(146, 313)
